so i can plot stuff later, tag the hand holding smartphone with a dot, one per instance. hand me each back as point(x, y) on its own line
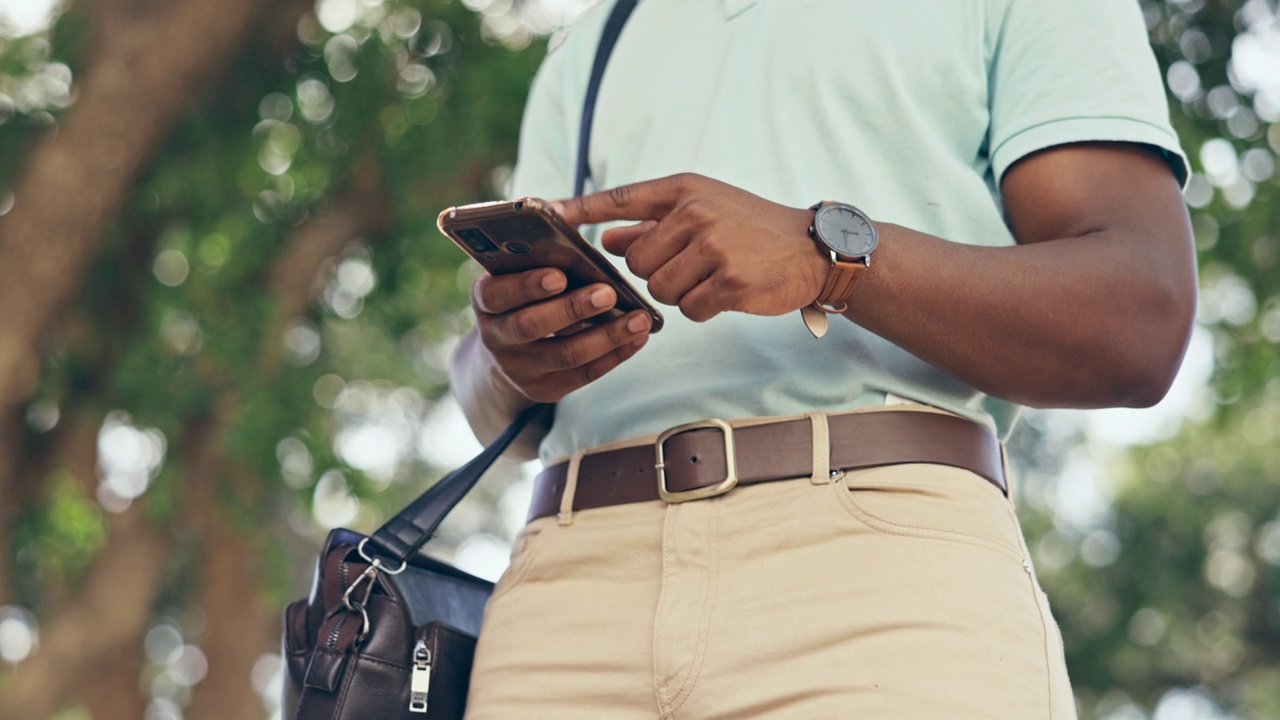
point(525, 234)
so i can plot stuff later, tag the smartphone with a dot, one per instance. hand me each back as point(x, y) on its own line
point(518, 235)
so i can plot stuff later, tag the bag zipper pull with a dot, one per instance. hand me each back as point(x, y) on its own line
point(421, 680)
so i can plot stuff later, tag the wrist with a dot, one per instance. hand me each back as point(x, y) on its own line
point(847, 237)
point(500, 385)
point(478, 382)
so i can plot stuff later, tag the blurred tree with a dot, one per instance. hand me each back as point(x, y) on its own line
point(227, 316)
point(197, 201)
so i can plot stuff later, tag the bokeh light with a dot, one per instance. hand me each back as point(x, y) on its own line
point(267, 678)
point(301, 340)
point(352, 280)
point(181, 332)
point(19, 634)
point(26, 17)
point(1189, 704)
point(333, 504)
point(1255, 57)
point(296, 464)
point(129, 458)
point(43, 415)
point(338, 15)
point(171, 267)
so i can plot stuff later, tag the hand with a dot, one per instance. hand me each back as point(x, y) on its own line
point(709, 247)
point(517, 316)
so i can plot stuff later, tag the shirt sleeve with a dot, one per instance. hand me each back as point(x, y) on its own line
point(1079, 71)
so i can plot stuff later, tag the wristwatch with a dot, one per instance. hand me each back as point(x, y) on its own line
point(848, 236)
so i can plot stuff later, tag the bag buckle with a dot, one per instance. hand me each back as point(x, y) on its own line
point(370, 574)
point(731, 464)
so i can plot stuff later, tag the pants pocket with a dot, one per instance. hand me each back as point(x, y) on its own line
point(935, 502)
point(523, 552)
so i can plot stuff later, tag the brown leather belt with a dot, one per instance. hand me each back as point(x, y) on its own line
point(710, 458)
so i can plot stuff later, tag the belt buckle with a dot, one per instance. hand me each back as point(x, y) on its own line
point(720, 488)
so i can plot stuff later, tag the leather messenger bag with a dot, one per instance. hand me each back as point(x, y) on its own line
point(388, 632)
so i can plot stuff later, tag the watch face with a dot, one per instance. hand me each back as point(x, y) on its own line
point(846, 230)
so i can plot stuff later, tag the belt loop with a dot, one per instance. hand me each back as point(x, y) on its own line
point(564, 518)
point(1008, 476)
point(820, 470)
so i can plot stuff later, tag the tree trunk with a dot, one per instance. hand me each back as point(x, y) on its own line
point(241, 626)
point(151, 61)
point(106, 618)
point(112, 608)
point(150, 64)
point(113, 691)
point(10, 430)
point(75, 179)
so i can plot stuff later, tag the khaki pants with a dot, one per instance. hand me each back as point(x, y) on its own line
point(890, 593)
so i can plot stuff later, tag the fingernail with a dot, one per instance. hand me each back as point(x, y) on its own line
point(557, 206)
point(553, 282)
point(638, 323)
point(602, 298)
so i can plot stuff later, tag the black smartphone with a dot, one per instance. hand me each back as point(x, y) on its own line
point(518, 235)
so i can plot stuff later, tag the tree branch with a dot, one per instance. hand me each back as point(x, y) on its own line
point(362, 211)
point(73, 183)
point(110, 612)
point(241, 625)
point(114, 603)
point(147, 70)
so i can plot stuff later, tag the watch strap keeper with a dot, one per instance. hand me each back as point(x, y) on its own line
point(841, 278)
point(834, 298)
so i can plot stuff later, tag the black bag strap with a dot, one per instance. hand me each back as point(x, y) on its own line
point(612, 29)
point(406, 533)
point(403, 535)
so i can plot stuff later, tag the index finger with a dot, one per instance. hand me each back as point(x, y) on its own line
point(503, 293)
point(649, 200)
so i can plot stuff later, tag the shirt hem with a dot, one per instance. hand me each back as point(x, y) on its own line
point(1090, 129)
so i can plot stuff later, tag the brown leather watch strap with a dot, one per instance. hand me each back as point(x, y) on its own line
point(772, 451)
point(841, 278)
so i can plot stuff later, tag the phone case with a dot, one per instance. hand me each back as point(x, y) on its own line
point(518, 235)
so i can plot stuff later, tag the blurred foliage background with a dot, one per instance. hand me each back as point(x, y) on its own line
point(225, 318)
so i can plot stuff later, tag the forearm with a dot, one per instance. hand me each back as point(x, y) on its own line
point(1088, 321)
point(1093, 307)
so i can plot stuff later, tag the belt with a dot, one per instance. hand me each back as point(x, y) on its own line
point(711, 457)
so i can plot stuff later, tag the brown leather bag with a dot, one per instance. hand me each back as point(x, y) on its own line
point(388, 632)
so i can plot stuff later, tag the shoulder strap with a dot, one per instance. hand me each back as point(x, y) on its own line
point(406, 533)
point(612, 29)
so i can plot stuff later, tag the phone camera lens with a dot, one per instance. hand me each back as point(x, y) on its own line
point(477, 240)
point(517, 248)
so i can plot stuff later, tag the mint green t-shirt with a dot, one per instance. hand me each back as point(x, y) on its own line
point(910, 109)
